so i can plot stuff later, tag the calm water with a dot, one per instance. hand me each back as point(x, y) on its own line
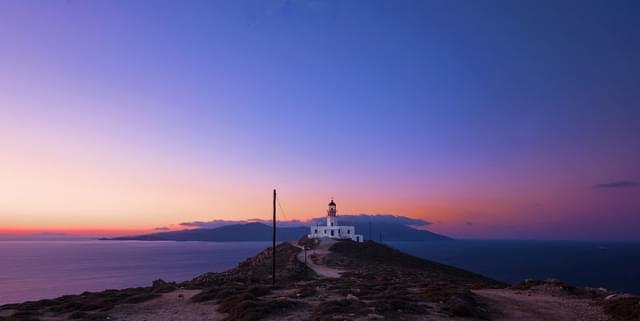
point(35, 270)
point(614, 266)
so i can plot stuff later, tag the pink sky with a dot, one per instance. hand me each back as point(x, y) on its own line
point(127, 116)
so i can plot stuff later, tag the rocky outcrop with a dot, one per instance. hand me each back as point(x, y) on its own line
point(258, 269)
point(86, 306)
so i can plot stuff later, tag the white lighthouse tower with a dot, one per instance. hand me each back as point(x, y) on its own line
point(332, 229)
point(332, 220)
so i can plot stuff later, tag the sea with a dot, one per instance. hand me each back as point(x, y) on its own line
point(32, 270)
point(611, 265)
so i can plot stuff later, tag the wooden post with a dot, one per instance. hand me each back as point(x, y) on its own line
point(274, 238)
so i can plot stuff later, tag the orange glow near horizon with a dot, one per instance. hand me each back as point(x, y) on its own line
point(73, 231)
point(116, 119)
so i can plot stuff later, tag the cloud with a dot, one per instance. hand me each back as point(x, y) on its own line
point(617, 184)
point(162, 228)
point(211, 224)
point(380, 218)
point(354, 219)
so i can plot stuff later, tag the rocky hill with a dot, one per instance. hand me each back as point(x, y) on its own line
point(341, 280)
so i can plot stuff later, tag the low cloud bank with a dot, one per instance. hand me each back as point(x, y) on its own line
point(617, 184)
point(354, 219)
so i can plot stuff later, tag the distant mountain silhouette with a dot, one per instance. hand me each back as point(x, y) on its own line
point(262, 232)
point(227, 233)
point(393, 232)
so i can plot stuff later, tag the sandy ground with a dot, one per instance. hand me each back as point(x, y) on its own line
point(174, 306)
point(512, 305)
point(318, 253)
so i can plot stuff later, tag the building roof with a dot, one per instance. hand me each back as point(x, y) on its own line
point(332, 203)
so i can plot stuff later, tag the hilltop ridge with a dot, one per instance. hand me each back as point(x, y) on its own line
point(373, 282)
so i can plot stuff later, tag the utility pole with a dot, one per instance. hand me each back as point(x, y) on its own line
point(274, 238)
point(370, 235)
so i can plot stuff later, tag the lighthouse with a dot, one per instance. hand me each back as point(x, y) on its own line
point(332, 229)
point(332, 220)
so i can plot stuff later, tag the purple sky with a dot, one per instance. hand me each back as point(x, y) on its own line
point(490, 119)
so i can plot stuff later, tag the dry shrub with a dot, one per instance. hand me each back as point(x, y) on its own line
point(251, 309)
point(627, 309)
point(304, 292)
point(394, 306)
point(206, 295)
point(220, 293)
point(464, 305)
point(331, 309)
point(85, 316)
point(23, 316)
point(231, 303)
point(160, 286)
point(259, 290)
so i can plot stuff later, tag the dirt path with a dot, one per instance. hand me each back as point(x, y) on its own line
point(511, 305)
point(318, 254)
point(174, 306)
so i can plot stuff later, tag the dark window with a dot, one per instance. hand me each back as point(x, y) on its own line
point(348, 231)
point(316, 231)
point(331, 232)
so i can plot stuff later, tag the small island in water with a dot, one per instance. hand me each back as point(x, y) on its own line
point(329, 279)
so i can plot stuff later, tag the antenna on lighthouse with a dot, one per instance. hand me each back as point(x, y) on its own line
point(274, 238)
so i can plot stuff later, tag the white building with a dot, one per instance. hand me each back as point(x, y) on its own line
point(333, 230)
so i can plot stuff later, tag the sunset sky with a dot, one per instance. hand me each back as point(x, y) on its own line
point(490, 119)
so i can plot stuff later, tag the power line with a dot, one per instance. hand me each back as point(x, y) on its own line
point(281, 209)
